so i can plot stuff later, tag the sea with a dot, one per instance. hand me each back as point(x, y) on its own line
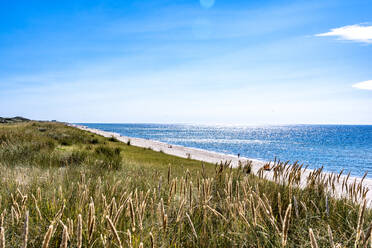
point(335, 147)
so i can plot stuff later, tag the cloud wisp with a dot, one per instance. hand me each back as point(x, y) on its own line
point(358, 33)
point(366, 85)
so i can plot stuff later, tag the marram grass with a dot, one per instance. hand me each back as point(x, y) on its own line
point(63, 187)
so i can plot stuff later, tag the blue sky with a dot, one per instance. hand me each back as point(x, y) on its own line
point(189, 61)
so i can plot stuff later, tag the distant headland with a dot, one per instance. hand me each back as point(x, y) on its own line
point(13, 119)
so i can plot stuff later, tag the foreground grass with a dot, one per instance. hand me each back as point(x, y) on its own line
point(63, 187)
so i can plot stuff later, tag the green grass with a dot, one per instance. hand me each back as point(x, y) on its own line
point(134, 196)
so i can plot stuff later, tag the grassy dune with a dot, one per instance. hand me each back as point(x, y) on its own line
point(63, 187)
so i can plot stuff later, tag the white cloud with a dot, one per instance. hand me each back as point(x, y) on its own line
point(352, 32)
point(366, 85)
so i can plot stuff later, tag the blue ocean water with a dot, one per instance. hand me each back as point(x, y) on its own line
point(335, 147)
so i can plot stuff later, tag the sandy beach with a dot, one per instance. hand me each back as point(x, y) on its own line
point(214, 157)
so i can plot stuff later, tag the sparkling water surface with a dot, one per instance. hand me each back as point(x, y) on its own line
point(335, 147)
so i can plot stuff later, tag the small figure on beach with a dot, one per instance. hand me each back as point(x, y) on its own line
point(238, 155)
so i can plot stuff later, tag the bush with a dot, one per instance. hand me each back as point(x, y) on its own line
point(66, 142)
point(110, 163)
point(107, 151)
point(113, 139)
point(94, 141)
point(108, 157)
point(3, 138)
point(74, 158)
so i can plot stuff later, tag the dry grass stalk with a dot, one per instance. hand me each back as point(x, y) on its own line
point(268, 213)
point(65, 237)
point(280, 207)
point(2, 216)
point(165, 222)
point(285, 227)
point(25, 230)
point(132, 214)
point(313, 242)
point(163, 216)
point(152, 240)
point(190, 195)
point(37, 207)
point(367, 236)
point(70, 226)
point(332, 243)
point(103, 240)
point(60, 212)
point(47, 237)
point(360, 223)
point(129, 238)
point(118, 213)
point(241, 214)
point(2, 237)
point(253, 209)
point(295, 204)
point(91, 220)
point(38, 193)
point(192, 226)
point(179, 214)
point(216, 212)
point(113, 207)
point(114, 231)
point(169, 174)
point(79, 231)
point(14, 215)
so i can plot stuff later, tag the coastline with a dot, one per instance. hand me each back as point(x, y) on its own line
point(214, 157)
point(176, 150)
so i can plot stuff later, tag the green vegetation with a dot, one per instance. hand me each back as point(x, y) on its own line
point(63, 187)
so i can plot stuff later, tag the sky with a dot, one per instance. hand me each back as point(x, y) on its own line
point(187, 61)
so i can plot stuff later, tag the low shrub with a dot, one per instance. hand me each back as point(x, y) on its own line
point(108, 157)
point(74, 158)
point(94, 141)
point(66, 142)
point(107, 151)
point(113, 139)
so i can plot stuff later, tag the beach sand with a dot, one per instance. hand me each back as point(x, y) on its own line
point(214, 157)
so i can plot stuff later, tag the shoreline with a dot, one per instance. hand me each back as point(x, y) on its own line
point(176, 150)
point(215, 157)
